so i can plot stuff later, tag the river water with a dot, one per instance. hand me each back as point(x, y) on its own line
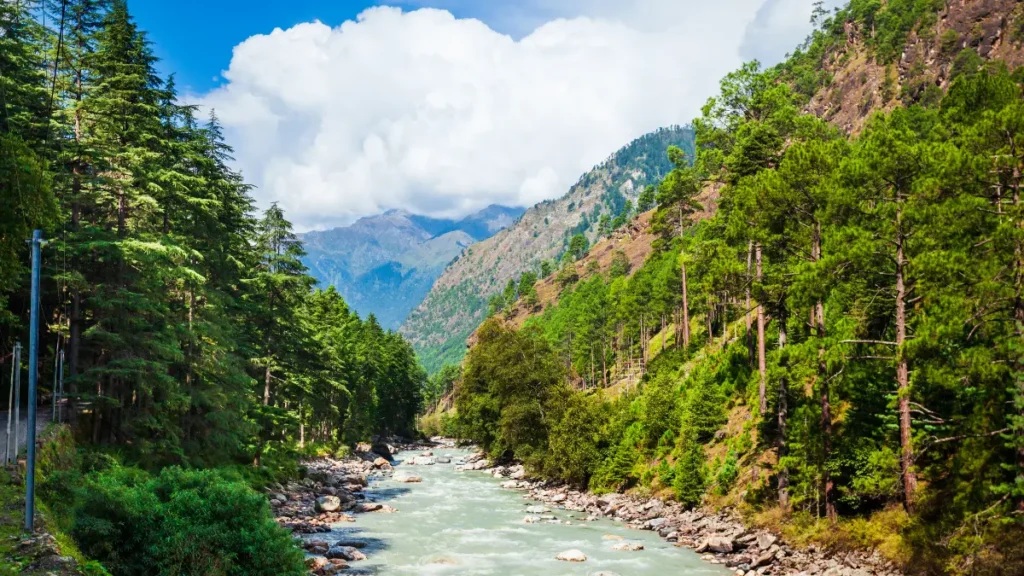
point(465, 523)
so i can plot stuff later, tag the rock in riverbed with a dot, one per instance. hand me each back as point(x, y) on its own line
point(406, 477)
point(628, 546)
point(572, 556)
point(345, 553)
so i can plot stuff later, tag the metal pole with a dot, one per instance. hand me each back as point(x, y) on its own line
point(60, 386)
point(10, 413)
point(56, 367)
point(17, 401)
point(33, 377)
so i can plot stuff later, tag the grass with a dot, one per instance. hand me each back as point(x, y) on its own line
point(882, 531)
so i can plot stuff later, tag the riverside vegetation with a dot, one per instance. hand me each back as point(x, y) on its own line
point(200, 359)
point(833, 347)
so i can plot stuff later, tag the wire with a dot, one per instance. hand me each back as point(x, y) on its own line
point(56, 61)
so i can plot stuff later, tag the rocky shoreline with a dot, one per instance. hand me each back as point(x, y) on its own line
point(720, 537)
point(332, 492)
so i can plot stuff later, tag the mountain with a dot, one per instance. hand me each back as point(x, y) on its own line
point(456, 304)
point(385, 264)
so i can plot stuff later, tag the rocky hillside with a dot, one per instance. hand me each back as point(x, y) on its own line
point(456, 304)
point(385, 264)
point(870, 60)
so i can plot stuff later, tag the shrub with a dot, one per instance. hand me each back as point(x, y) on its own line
point(205, 523)
point(727, 474)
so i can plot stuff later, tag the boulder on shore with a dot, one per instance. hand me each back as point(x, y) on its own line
point(327, 504)
point(719, 544)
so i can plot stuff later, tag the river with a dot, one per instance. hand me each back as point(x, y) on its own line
point(465, 523)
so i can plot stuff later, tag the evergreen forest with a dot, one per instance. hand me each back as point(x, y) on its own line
point(199, 358)
point(836, 351)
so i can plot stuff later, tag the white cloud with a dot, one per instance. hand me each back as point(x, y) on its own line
point(443, 116)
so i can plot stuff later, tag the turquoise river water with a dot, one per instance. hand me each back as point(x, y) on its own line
point(465, 523)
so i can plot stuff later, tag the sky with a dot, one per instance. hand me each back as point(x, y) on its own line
point(343, 109)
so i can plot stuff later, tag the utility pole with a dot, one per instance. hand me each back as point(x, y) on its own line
point(12, 403)
point(60, 385)
point(33, 376)
point(17, 401)
point(56, 383)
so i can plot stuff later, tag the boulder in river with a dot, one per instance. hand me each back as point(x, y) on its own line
point(572, 556)
point(423, 461)
point(345, 553)
point(327, 503)
point(628, 546)
point(536, 510)
point(380, 463)
point(406, 477)
point(350, 543)
point(444, 460)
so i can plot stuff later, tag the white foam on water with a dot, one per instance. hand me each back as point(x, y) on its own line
point(476, 528)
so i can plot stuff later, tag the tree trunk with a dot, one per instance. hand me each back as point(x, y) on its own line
point(761, 366)
point(902, 373)
point(686, 305)
point(783, 414)
point(75, 321)
point(1018, 316)
point(746, 314)
point(818, 323)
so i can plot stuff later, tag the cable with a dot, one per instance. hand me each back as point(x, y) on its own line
point(56, 61)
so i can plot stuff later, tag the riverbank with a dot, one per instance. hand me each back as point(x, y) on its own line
point(720, 537)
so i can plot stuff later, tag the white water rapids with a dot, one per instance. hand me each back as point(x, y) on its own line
point(464, 523)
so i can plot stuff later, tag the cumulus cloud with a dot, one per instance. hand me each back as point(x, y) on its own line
point(442, 116)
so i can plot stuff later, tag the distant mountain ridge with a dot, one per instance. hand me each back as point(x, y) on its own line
point(385, 264)
point(457, 303)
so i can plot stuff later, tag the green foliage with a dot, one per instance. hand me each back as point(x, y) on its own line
point(546, 268)
point(620, 265)
point(727, 474)
point(578, 246)
point(646, 200)
point(689, 478)
point(180, 522)
point(575, 438)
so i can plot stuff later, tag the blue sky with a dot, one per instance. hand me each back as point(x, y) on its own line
point(445, 111)
point(194, 38)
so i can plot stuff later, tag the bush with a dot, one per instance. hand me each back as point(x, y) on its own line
point(205, 523)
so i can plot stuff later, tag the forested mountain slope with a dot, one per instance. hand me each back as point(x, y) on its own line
point(457, 302)
point(835, 352)
point(384, 265)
